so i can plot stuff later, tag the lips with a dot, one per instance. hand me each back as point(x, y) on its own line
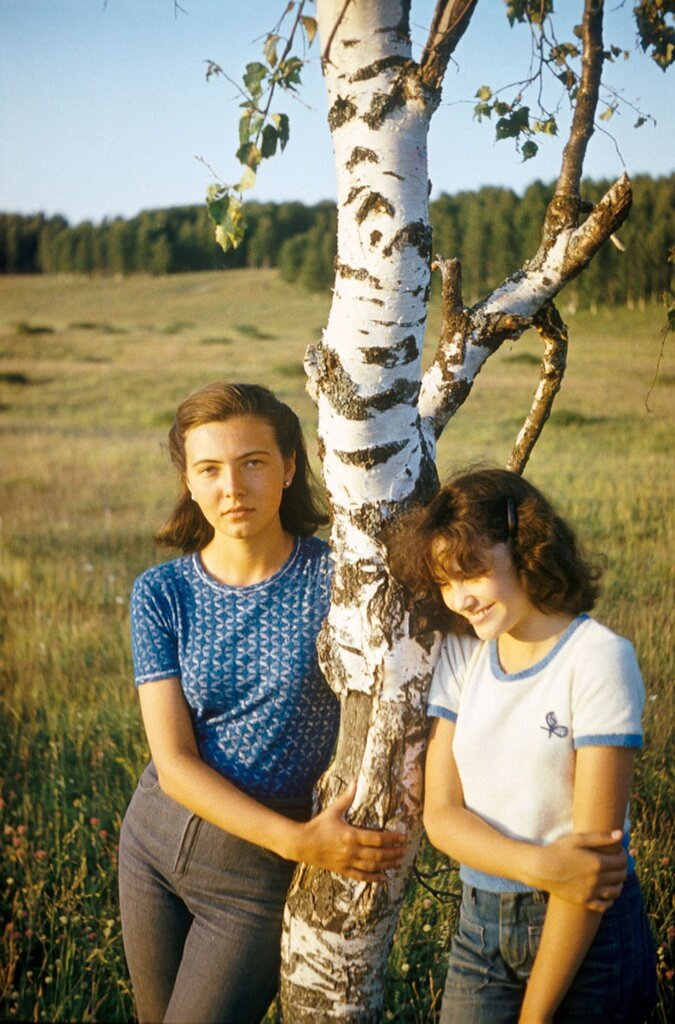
point(239, 511)
point(475, 618)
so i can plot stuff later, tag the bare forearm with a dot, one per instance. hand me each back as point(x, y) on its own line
point(567, 935)
point(468, 839)
point(582, 868)
point(192, 783)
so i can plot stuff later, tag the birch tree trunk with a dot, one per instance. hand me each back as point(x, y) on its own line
point(378, 424)
point(365, 377)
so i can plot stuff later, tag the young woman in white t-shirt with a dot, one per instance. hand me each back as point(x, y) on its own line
point(536, 713)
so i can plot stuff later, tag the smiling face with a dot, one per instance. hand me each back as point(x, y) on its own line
point(236, 474)
point(495, 602)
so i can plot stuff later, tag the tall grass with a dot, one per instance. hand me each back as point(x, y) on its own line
point(90, 372)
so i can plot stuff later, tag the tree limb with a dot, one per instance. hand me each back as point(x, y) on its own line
point(563, 210)
point(553, 332)
point(450, 21)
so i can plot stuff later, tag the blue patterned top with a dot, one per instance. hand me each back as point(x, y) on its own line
point(263, 714)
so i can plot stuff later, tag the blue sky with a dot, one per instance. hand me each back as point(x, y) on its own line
point(104, 108)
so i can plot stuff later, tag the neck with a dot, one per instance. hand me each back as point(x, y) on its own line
point(240, 563)
point(524, 648)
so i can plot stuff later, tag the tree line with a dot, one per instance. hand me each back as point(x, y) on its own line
point(490, 230)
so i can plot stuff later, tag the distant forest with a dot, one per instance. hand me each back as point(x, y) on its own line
point(493, 231)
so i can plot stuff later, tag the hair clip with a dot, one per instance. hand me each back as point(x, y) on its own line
point(511, 518)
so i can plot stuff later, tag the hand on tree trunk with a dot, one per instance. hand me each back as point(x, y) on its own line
point(328, 841)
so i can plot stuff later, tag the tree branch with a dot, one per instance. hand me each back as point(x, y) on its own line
point(563, 211)
point(449, 23)
point(470, 336)
point(553, 332)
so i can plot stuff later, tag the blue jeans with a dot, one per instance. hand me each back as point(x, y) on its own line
point(495, 945)
point(201, 912)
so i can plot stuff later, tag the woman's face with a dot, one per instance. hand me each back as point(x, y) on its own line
point(493, 603)
point(236, 474)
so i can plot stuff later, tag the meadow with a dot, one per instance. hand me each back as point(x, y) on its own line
point(90, 373)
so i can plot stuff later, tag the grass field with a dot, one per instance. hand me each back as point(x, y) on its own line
point(90, 373)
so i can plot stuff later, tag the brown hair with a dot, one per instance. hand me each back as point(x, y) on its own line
point(469, 515)
point(300, 512)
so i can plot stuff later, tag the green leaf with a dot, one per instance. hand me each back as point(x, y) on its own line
point(268, 145)
point(283, 128)
point(511, 127)
point(253, 77)
point(484, 93)
point(607, 113)
point(228, 216)
point(288, 73)
point(247, 180)
point(529, 149)
point(310, 27)
point(482, 110)
point(270, 49)
point(249, 154)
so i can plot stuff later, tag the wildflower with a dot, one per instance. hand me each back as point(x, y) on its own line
point(671, 932)
point(94, 822)
point(28, 933)
point(426, 903)
point(8, 830)
point(103, 834)
point(40, 854)
point(665, 861)
point(21, 830)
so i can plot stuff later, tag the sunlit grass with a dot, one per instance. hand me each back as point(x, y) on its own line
point(88, 386)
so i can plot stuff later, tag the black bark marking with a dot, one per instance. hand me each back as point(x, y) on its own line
point(332, 379)
point(353, 193)
point(358, 273)
point(368, 458)
point(360, 155)
point(374, 203)
point(377, 67)
point(382, 104)
point(342, 111)
point(416, 234)
point(375, 237)
point(393, 174)
point(400, 354)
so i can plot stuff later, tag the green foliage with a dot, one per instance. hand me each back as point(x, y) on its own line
point(261, 131)
point(657, 35)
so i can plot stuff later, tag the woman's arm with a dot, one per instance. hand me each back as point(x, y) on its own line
point(601, 785)
point(327, 841)
point(586, 869)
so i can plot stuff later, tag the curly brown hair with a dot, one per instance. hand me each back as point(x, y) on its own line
point(300, 512)
point(472, 513)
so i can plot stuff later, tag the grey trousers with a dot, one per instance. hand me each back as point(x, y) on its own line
point(201, 912)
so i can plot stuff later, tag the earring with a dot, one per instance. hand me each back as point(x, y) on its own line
point(192, 495)
point(287, 483)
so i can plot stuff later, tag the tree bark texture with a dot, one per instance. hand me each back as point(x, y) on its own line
point(379, 419)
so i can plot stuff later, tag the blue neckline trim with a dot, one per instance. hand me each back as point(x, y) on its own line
point(217, 584)
point(499, 672)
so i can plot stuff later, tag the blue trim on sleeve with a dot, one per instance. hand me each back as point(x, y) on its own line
point(612, 739)
point(438, 711)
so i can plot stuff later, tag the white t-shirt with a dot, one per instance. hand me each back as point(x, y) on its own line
point(516, 734)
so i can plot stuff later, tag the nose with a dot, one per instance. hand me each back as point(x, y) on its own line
point(456, 597)
point(231, 481)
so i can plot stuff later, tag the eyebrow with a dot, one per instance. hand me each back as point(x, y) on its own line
point(245, 455)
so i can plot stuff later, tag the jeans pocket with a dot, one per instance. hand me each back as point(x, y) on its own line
point(468, 965)
point(148, 782)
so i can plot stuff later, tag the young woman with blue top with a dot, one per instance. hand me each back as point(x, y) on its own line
point(239, 720)
point(536, 711)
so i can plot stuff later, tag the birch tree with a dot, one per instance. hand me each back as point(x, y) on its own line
point(379, 418)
